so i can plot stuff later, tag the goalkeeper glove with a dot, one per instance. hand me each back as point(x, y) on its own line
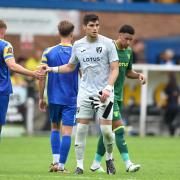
point(108, 104)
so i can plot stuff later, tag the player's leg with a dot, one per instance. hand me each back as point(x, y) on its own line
point(68, 121)
point(55, 136)
point(121, 144)
point(84, 114)
point(4, 100)
point(108, 138)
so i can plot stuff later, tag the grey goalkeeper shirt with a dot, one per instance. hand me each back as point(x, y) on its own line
point(94, 58)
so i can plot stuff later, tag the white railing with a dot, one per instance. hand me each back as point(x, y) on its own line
point(144, 91)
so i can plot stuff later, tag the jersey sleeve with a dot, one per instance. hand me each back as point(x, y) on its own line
point(74, 59)
point(112, 53)
point(130, 61)
point(8, 52)
point(44, 57)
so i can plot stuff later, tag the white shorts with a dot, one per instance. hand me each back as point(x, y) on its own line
point(85, 111)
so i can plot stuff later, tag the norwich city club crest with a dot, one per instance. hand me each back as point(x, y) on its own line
point(98, 50)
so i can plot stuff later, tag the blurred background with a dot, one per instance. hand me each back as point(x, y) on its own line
point(32, 27)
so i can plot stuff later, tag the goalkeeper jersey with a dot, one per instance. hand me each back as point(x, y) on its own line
point(6, 53)
point(95, 58)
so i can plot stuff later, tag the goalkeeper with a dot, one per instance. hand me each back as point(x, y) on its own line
point(126, 33)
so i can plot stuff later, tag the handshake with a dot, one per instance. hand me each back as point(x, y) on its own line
point(108, 104)
point(44, 68)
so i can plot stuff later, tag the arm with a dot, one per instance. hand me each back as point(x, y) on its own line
point(114, 71)
point(134, 75)
point(66, 68)
point(21, 70)
point(42, 102)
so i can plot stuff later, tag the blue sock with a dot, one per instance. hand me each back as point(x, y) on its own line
point(55, 142)
point(64, 148)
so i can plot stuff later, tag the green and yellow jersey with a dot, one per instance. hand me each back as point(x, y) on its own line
point(125, 63)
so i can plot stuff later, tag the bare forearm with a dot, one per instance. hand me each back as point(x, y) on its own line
point(66, 68)
point(113, 76)
point(21, 70)
point(132, 74)
point(41, 88)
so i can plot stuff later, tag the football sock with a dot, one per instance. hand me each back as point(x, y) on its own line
point(64, 150)
point(80, 142)
point(100, 149)
point(108, 139)
point(99, 153)
point(55, 145)
point(121, 143)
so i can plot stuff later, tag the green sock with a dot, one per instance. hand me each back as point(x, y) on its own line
point(100, 149)
point(121, 143)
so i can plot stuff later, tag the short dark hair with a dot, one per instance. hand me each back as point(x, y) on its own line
point(127, 29)
point(3, 24)
point(65, 28)
point(90, 17)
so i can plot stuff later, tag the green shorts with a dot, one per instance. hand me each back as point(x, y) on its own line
point(117, 110)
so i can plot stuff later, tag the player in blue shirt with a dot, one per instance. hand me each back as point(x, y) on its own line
point(7, 63)
point(62, 92)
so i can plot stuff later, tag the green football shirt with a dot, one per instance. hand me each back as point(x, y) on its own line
point(125, 63)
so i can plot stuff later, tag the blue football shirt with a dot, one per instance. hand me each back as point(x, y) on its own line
point(61, 88)
point(6, 53)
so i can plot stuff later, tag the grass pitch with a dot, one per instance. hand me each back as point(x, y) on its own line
point(28, 158)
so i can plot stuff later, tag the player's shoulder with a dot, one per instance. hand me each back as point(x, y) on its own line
point(5, 43)
point(105, 39)
point(80, 42)
point(49, 49)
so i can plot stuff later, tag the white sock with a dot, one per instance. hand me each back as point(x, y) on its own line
point(108, 156)
point(61, 166)
point(108, 137)
point(56, 158)
point(80, 164)
point(80, 142)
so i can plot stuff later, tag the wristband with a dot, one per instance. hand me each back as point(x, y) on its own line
point(109, 88)
point(55, 69)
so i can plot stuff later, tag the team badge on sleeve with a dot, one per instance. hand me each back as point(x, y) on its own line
point(9, 50)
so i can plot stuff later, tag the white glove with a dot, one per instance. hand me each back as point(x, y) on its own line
point(96, 103)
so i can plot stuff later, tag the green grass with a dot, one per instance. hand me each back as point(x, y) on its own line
point(28, 158)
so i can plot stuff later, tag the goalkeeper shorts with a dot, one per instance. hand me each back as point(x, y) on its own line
point(85, 111)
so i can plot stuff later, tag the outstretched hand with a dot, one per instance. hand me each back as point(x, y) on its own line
point(45, 68)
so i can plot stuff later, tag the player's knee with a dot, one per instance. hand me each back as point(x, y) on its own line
point(67, 130)
point(107, 132)
point(55, 126)
point(82, 129)
point(117, 124)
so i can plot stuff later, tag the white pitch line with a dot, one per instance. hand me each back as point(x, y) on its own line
point(63, 176)
point(45, 176)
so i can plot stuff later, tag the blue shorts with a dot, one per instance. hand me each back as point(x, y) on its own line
point(64, 113)
point(4, 100)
